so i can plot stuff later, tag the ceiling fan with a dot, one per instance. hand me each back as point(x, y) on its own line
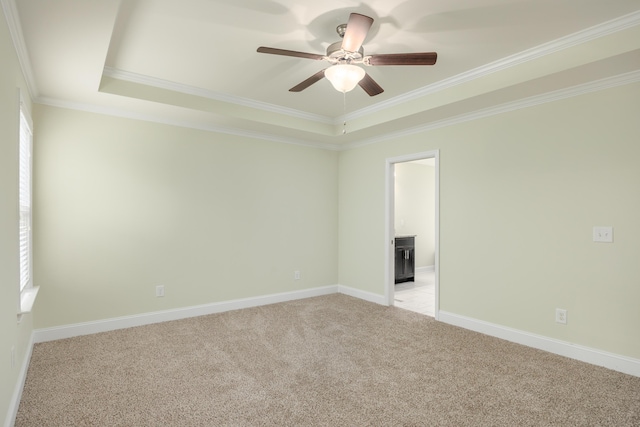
point(342, 56)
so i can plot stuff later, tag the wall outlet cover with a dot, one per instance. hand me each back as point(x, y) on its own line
point(561, 316)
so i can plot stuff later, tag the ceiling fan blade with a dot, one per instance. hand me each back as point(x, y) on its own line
point(311, 80)
point(422, 58)
point(370, 86)
point(357, 29)
point(293, 53)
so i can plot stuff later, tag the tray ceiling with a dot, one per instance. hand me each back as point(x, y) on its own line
point(194, 62)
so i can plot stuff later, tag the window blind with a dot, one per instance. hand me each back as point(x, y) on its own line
point(24, 189)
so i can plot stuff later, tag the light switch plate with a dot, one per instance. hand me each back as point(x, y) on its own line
point(603, 234)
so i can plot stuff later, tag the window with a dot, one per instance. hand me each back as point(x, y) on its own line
point(27, 290)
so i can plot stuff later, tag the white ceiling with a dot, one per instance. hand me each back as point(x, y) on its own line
point(194, 62)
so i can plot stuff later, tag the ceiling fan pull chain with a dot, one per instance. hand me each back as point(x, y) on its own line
point(344, 112)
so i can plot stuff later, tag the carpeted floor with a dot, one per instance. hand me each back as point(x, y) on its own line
point(325, 361)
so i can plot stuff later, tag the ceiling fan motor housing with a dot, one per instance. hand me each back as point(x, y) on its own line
point(336, 54)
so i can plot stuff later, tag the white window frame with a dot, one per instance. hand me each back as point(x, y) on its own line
point(25, 148)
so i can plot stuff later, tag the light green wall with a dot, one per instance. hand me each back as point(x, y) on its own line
point(414, 212)
point(12, 334)
point(124, 205)
point(519, 195)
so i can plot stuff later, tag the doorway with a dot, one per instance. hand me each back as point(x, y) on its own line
point(413, 211)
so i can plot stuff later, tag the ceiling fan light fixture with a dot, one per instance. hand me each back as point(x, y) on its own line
point(344, 77)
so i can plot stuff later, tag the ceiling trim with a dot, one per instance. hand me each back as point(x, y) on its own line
point(204, 93)
point(610, 82)
point(582, 89)
point(15, 29)
point(619, 24)
point(127, 114)
point(615, 25)
point(609, 27)
point(600, 30)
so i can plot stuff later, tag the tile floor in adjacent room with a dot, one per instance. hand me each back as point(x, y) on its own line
point(419, 295)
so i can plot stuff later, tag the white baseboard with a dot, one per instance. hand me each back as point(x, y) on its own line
point(17, 393)
point(112, 324)
point(593, 356)
point(86, 328)
point(364, 295)
point(425, 269)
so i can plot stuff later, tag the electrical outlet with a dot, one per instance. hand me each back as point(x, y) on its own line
point(13, 357)
point(160, 290)
point(296, 275)
point(561, 316)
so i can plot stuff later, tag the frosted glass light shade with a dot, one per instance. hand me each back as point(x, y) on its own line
point(344, 77)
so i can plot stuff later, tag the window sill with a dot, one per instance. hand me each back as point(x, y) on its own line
point(27, 298)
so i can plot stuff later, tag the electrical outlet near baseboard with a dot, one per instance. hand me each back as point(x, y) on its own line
point(296, 275)
point(160, 290)
point(561, 316)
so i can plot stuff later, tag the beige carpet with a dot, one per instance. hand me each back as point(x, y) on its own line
point(325, 361)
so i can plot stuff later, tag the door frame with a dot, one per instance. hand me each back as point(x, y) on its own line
point(390, 223)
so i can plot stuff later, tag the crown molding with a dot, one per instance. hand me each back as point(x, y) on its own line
point(118, 112)
point(15, 29)
point(583, 36)
point(204, 93)
point(582, 89)
point(619, 24)
point(615, 25)
point(610, 82)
